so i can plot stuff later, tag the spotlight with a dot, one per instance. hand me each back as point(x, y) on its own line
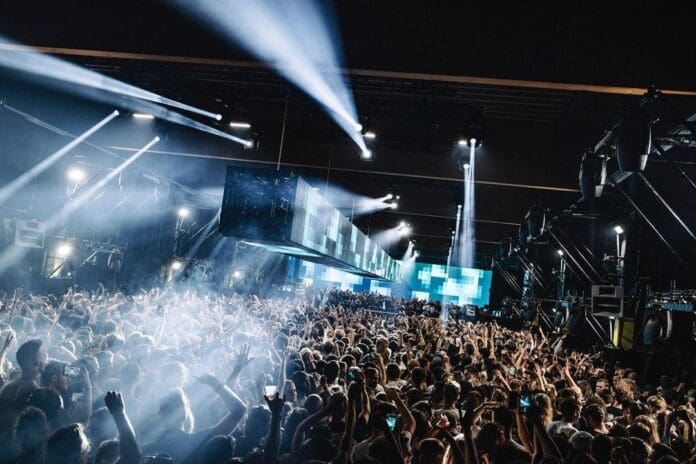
point(619, 230)
point(64, 250)
point(370, 135)
point(366, 154)
point(218, 117)
point(358, 127)
point(474, 129)
point(416, 254)
point(237, 274)
point(76, 175)
point(390, 196)
point(394, 205)
point(465, 165)
point(398, 197)
point(177, 265)
point(240, 125)
point(462, 143)
point(143, 116)
point(183, 212)
point(560, 252)
point(402, 224)
point(406, 231)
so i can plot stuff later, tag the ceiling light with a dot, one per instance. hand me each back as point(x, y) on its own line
point(64, 250)
point(183, 212)
point(76, 175)
point(240, 125)
point(143, 116)
point(619, 230)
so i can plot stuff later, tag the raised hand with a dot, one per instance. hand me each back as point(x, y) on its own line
point(275, 404)
point(241, 361)
point(114, 402)
point(209, 380)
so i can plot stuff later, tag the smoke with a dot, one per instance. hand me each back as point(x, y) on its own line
point(298, 38)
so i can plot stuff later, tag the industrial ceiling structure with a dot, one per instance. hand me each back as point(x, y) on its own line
point(416, 87)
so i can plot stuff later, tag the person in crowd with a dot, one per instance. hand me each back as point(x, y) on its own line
point(334, 377)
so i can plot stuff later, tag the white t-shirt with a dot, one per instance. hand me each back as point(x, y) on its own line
point(560, 427)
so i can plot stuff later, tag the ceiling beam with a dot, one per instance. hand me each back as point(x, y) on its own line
point(458, 180)
point(515, 83)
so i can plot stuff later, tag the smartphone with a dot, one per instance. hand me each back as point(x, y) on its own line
point(270, 390)
point(499, 341)
point(391, 421)
point(512, 371)
point(513, 400)
point(351, 375)
point(70, 371)
point(525, 401)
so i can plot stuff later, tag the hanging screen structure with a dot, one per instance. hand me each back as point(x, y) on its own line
point(279, 211)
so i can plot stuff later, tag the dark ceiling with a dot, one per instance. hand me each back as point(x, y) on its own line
point(534, 137)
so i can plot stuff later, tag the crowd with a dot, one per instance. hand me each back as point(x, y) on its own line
point(167, 376)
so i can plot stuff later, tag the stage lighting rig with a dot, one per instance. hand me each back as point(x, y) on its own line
point(253, 142)
point(593, 175)
point(183, 212)
point(633, 142)
point(238, 125)
point(392, 199)
point(474, 130)
point(75, 175)
point(64, 250)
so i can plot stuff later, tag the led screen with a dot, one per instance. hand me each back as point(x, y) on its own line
point(453, 285)
point(429, 282)
point(319, 226)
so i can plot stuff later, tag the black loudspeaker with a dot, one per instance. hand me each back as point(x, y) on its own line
point(593, 175)
point(674, 329)
point(536, 221)
point(576, 319)
point(530, 313)
point(633, 142)
point(523, 234)
point(114, 262)
point(504, 248)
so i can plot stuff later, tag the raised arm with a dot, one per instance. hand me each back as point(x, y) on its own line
point(470, 452)
point(354, 392)
point(234, 404)
point(129, 451)
point(241, 361)
point(410, 422)
point(272, 444)
point(83, 410)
